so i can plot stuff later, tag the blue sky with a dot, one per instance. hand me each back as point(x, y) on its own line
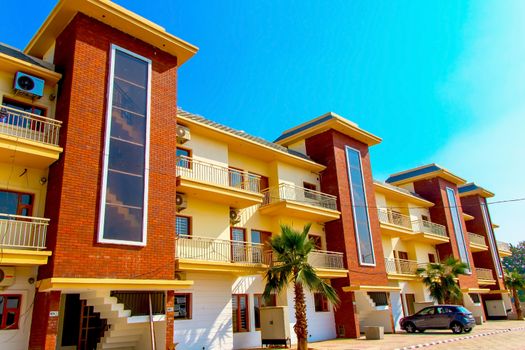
point(439, 81)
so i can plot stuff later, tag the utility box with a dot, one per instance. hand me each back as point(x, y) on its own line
point(496, 309)
point(275, 326)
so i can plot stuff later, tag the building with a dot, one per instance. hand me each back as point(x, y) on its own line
point(126, 220)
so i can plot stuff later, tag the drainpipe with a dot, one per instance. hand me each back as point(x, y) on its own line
point(151, 328)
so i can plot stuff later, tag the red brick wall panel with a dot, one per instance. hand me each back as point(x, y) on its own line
point(44, 328)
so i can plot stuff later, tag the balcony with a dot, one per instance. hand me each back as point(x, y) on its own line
point(401, 269)
point(477, 243)
point(24, 240)
point(28, 139)
point(244, 258)
point(504, 249)
point(394, 223)
point(300, 202)
point(430, 232)
point(218, 184)
point(485, 276)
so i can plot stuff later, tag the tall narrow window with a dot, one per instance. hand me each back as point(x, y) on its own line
point(458, 228)
point(123, 214)
point(492, 241)
point(183, 225)
point(360, 208)
point(240, 313)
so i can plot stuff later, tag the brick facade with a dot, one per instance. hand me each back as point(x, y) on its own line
point(44, 327)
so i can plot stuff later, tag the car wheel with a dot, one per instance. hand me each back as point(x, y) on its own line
point(467, 330)
point(410, 327)
point(456, 327)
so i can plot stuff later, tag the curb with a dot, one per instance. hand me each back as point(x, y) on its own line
point(451, 340)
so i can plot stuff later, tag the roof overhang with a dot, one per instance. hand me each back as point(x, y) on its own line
point(12, 64)
point(113, 15)
point(476, 290)
point(424, 172)
point(399, 195)
point(77, 284)
point(473, 189)
point(361, 288)
point(323, 123)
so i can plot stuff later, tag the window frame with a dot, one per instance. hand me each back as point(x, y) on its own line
point(189, 156)
point(190, 224)
point(20, 206)
point(5, 311)
point(107, 136)
point(457, 225)
point(261, 303)
point(316, 239)
point(492, 239)
point(10, 100)
point(238, 297)
point(325, 307)
point(366, 207)
point(189, 306)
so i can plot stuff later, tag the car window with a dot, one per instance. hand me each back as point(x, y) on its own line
point(441, 310)
point(426, 311)
point(462, 310)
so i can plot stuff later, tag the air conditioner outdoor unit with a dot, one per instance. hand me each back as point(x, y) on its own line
point(181, 201)
point(183, 134)
point(28, 85)
point(235, 216)
point(180, 276)
point(7, 276)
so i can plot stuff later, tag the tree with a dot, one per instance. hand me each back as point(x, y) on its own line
point(514, 281)
point(290, 266)
point(516, 262)
point(441, 280)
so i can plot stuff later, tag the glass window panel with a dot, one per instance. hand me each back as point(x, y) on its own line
point(129, 97)
point(182, 225)
point(458, 228)
point(125, 189)
point(234, 314)
point(8, 202)
point(123, 223)
point(10, 318)
point(26, 199)
point(236, 178)
point(1, 307)
point(12, 302)
point(492, 241)
point(256, 236)
point(238, 234)
point(131, 68)
point(126, 157)
point(128, 126)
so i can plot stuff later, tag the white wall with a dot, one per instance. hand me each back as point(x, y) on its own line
point(17, 339)
point(397, 308)
point(211, 325)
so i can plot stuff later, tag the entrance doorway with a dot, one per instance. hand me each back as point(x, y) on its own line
point(410, 301)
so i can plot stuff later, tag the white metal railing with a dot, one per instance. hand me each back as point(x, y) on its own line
point(17, 231)
point(402, 266)
point(484, 274)
point(202, 171)
point(476, 239)
point(220, 250)
point(429, 227)
point(29, 126)
point(504, 246)
point(326, 260)
point(288, 192)
point(393, 217)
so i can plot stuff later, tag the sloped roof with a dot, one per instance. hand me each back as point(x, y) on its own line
point(14, 52)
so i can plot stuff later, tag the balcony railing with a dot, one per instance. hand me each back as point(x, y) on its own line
point(219, 250)
point(206, 172)
point(402, 266)
point(326, 260)
point(484, 274)
point(504, 246)
point(287, 192)
point(29, 126)
point(429, 227)
point(476, 239)
point(138, 302)
point(392, 217)
point(23, 232)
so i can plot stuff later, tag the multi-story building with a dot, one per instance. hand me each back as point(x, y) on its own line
point(126, 221)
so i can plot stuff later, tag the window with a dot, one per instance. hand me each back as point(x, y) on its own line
point(427, 311)
point(458, 228)
point(258, 302)
point(16, 203)
point(379, 298)
point(360, 207)
point(308, 188)
point(238, 247)
point(182, 306)
point(236, 177)
point(492, 241)
point(475, 298)
point(317, 241)
point(259, 237)
point(183, 158)
point(425, 218)
point(183, 225)
point(321, 302)
point(431, 258)
point(402, 255)
point(24, 107)
point(240, 319)
point(9, 311)
point(123, 217)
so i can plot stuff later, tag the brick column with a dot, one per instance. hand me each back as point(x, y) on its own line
point(170, 296)
point(346, 316)
point(44, 327)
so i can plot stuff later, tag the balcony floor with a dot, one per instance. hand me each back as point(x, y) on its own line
point(234, 197)
point(475, 247)
point(24, 257)
point(395, 230)
point(238, 269)
point(424, 237)
point(300, 210)
point(26, 152)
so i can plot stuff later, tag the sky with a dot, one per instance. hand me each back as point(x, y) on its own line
point(439, 81)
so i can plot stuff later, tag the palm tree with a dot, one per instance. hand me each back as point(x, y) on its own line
point(514, 281)
point(441, 280)
point(290, 266)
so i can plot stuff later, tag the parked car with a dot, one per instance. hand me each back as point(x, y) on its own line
point(453, 317)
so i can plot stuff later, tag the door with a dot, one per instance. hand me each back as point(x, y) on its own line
point(410, 301)
point(260, 246)
point(238, 251)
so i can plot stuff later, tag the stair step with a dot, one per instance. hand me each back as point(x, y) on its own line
point(105, 345)
point(124, 332)
point(122, 338)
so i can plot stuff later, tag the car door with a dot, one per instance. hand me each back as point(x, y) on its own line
point(441, 317)
point(423, 319)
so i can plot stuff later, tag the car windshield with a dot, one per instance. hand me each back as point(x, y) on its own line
point(462, 310)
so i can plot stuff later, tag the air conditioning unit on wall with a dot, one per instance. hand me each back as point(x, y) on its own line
point(28, 85)
point(181, 201)
point(7, 276)
point(183, 134)
point(235, 216)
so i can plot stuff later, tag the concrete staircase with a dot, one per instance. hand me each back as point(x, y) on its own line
point(122, 334)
